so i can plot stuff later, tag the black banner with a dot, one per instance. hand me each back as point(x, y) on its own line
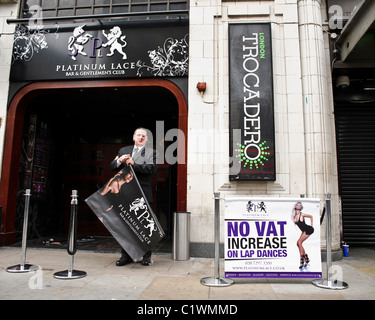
point(111, 51)
point(251, 102)
point(122, 207)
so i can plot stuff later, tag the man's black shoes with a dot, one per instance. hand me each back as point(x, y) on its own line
point(147, 259)
point(123, 261)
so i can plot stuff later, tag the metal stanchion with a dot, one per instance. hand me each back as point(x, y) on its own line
point(216, 281)
point(23, 267)
point(70, 273)
point(328, 283)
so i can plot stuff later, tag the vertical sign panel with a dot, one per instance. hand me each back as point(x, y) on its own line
point(251, 102)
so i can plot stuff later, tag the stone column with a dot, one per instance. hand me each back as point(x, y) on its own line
point(320, 144)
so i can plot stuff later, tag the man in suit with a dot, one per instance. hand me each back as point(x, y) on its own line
point(143, 160)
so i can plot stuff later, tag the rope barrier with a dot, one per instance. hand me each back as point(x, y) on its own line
point(322, 217)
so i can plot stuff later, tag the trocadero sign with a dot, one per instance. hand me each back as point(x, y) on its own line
point(251, 102)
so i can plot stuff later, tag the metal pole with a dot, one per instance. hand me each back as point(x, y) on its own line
point(25, 226)
point(24, 267)
point(217, 235)
point(328, 237)
point(71, 273)
point(216, 281)
point(328, 283)
point(73, 234)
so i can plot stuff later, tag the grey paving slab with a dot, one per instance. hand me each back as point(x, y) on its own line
point(167, 279)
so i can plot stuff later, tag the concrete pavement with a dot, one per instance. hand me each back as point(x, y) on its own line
point(167, 279)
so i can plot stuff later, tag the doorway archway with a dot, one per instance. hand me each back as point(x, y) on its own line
point(14, 132)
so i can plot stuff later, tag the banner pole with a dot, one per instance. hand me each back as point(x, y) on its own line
point(217, 235)
point(70, 273)
point(328, 283)
point(24, 267)
point(217, 281)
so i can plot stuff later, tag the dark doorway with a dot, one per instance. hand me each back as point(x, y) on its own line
point(355, 130)
point(82, 131)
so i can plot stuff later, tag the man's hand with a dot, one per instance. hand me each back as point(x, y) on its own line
point(127, 159)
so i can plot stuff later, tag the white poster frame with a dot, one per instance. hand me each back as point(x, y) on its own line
point(261, 238)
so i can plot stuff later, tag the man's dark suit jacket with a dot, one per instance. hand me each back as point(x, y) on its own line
point(144, 167)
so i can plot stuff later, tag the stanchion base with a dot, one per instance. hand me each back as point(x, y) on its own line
point(327, 284)
point(19, 268)
point(66, 274)
point(216, 282)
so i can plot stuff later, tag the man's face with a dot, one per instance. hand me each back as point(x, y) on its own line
point(140, 137)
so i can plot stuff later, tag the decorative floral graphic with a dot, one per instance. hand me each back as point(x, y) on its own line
point(27, 42)
point(259, 162)
point(170, 60)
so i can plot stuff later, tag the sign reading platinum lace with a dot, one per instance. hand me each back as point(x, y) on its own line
point(251, 102)
point(100, 51)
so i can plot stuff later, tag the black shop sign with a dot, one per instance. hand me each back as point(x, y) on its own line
point(108, 51)
point(252, 130)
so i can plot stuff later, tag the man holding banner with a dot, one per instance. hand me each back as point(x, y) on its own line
point(143, 161)
point(123, 204)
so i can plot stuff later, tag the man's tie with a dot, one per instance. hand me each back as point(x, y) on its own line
point(136, 150)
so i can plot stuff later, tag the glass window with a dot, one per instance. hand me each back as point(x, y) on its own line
point(84, 3)
point(120, 9)
point(55, 8)
point(33, 2)
point(101, 10)
point(66, 3)
point(65, 12)
point(83, 12)
point(102, 1)
point(159, 7)
point(49, 4)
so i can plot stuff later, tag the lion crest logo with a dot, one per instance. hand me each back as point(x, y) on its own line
point(114, 37)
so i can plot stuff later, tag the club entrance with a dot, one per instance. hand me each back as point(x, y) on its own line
point(79, 127)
